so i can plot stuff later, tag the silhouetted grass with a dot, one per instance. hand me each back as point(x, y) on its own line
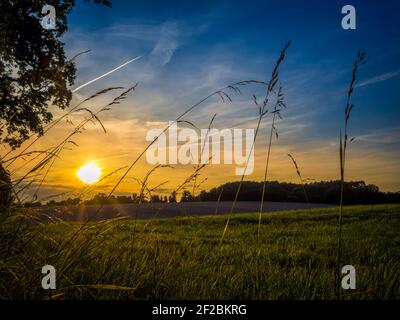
point(299, 175)
point(360, 60)
point(262, 112)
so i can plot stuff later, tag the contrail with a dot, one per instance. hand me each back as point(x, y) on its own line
point(106, 74)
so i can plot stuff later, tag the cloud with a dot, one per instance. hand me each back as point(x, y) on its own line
point(381, 137)
point(380, 78)
point(166, 45)
point(156, 123)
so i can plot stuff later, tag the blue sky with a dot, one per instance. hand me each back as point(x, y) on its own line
point(189, 49)
point(249, 36)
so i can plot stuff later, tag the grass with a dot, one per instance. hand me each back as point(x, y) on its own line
point(293, 255)
point(184, 258)
point(23, 246)
point(342, 153)
point(263, 110)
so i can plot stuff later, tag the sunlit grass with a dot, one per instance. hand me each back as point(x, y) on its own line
point(184, 258)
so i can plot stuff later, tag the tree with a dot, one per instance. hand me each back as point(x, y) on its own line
point(172, 197)
point(34, 70)
point(187, 196)
point(155, 198)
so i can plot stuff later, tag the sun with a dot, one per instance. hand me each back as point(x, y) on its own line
point(89, 173)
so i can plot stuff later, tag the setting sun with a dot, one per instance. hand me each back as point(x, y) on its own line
point(89, 173)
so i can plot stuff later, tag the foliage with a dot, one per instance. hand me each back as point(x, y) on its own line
point(356, 192)
point(34, 70)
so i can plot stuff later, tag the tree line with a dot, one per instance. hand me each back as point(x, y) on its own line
point(328, 192)
point(355, 192)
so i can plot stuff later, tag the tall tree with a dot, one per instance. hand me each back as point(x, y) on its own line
point(34, 70)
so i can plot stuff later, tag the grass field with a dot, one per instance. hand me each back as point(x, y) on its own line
point(183, 258)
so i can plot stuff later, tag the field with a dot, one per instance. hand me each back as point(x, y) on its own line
point(184, 258)
point(163, 210)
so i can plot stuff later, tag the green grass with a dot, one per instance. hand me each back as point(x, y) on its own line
point(183, 258)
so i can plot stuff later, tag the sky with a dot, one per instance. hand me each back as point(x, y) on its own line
point(189, 49)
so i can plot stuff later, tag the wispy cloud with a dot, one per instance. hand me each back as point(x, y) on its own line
point(166, 45)
point(381, 136)
point(380, 78)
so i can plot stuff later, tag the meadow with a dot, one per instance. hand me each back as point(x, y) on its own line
point(293, 256)
point(285, 255)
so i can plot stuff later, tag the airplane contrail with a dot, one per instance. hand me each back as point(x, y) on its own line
point(106, 74)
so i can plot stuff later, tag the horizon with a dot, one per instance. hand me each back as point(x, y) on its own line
point(190, 52)
point(165, 198)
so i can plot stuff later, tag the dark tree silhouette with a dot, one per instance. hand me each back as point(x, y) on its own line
point(34, 70)
point(356, 192)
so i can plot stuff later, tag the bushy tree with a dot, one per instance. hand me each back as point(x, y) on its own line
point(34, 71)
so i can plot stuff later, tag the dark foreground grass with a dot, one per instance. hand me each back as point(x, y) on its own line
point(183, 258)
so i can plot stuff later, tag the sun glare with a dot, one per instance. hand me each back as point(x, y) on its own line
point(89, 173)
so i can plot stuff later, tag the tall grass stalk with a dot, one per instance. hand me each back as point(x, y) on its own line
point(262, 111)
point(200, 157)
point(300, 177)
point(219, 200)
point(343, 143)
point(276, 113)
